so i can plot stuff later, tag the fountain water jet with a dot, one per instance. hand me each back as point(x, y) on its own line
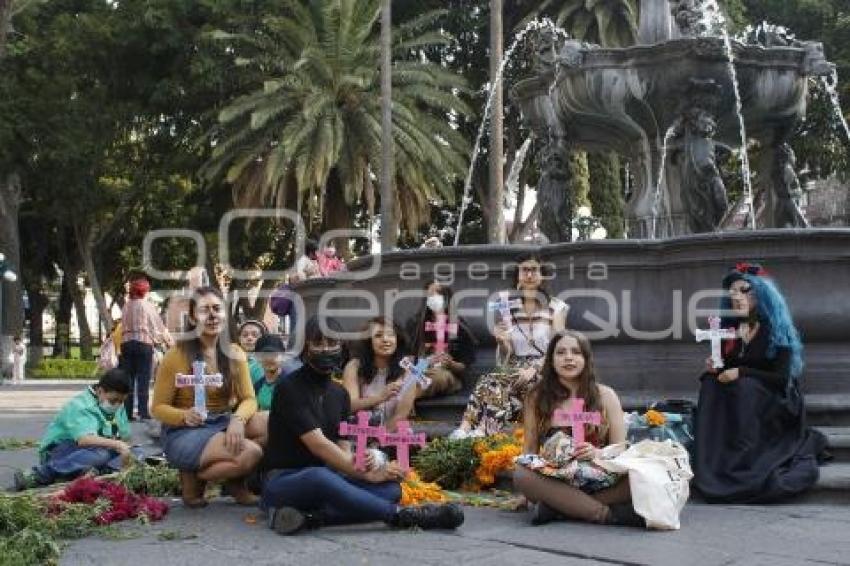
point(534, 25)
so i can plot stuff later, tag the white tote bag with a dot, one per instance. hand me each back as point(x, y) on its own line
point(659, 473)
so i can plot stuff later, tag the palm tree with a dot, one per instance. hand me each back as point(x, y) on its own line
point(309, 133)
point(610, 23)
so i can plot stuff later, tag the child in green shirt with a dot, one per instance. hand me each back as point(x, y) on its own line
point(250, 332)
point(270, 353)
point(90, 432)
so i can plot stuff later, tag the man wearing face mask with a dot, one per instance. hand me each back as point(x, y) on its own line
point(310, 479)
point(90, 433)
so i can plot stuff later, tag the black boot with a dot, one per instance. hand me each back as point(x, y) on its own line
point(542, 514)
point(623, 514)
point(429, 516)
point(289, 520)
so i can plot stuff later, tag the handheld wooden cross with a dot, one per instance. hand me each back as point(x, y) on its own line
point(576, 417)
point(363, 432)
point(415, 374)
point(403, 439)
point(200, 381)
point(715, 334)
point(440, 327)
point(504, 306)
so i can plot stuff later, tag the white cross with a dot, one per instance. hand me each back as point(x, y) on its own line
point(199, 380)
point(415, 375)
point(715, 334)
point(504, 306)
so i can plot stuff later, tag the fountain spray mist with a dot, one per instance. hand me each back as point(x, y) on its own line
point(534, 25)
point(714, 22)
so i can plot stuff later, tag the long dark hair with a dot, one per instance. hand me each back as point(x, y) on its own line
point(420, 336)
point(544, 272)
point(367, 370)
point(550, 393)
point(191, 347)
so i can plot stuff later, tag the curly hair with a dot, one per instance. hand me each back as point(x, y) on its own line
point(772, 312)
point(366, 354)
point(550, 393)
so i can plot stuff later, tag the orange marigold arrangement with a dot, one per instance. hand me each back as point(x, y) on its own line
point(496, 455)
point(414, 491)
point(469, 463)
point(654, 418)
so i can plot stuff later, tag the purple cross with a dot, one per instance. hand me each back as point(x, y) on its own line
point(402, 439)
point(440, 327)
point(200, 381)
point(715, 334)
point(575, 417)
point(363, 432)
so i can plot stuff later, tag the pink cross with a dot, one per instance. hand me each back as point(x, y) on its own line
point(402, 439)
point(440, 327)
point(715, 334)
point(363, 432)
point(575, 417)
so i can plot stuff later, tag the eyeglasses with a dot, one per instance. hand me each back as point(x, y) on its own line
point(210, 309)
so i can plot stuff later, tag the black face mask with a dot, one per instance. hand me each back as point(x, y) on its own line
point(326, 361)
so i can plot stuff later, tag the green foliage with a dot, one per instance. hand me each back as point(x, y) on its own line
point(60, 368)
point(311, 116)
point(27, 547)
point(579, 183)
point(611, 23)
point(155, 481)
point(29, 529)
point(17, 443)
point(606, 192)
point(450, 463)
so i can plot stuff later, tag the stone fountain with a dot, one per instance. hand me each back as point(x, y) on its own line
point(668, 105)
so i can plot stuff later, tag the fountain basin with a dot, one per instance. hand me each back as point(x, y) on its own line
point(628, 100)
point(621, 98)
point(634, 298)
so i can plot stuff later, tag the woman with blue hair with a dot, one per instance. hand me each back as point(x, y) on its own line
point(752, 444)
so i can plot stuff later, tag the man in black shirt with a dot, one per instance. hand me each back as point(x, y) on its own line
point(310, 474)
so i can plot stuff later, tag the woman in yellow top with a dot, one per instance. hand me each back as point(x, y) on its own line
point(215, 447)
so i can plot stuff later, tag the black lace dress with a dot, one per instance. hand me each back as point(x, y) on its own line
point(752, 442)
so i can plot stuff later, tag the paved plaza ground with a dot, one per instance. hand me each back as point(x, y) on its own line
point(782, 535)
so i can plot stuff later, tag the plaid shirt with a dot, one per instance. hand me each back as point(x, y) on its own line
point(141, 322)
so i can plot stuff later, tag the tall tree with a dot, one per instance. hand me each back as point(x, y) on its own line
point(389, 228)
point(494, 205)
point(313, 127)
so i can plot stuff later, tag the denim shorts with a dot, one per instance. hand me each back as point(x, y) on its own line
point(183, 445)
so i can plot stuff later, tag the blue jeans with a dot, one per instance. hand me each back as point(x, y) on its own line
point(67, 460)
point(339, 499)
point(137, 360)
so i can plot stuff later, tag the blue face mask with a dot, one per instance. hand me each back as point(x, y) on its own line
point(109, 408)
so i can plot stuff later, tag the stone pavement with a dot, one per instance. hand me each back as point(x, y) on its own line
point(224, 534)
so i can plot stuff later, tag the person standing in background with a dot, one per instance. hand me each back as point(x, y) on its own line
point(142, 327)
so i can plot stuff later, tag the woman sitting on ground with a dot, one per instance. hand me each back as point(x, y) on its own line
point(221, 445)
point(521, 341)
point(752, 443)
point(374, 379)
point(310, 478)
point(568, 373)
point(447, 369)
